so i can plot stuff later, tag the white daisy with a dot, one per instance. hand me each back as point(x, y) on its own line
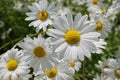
point(103, 25)
point(114, 69)
point(94, 2)
point(96, 7)
point(103, 64)
point(113, 10)
point(20, 6)
point(59, 72)
point(42, 14)
point(39, 51)
point(13, 65)
point(74, 65)
point(73, 40)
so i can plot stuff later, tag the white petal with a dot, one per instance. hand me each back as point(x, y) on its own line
point(14, 76)
point(77, 18)
point(70, 19)
point(74, 53)
point(30, 18)
point(80, 53)
point(36, 6)
point(90, 36)
point(108, 70)
point(81, 22)
point(32, 9)
point(56, 32)
point(61, 47)
point(59, 41)
point(45, 4)
point(89, 28)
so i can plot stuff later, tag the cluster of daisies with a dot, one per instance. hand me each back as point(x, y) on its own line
point(110, 68)
point(68, 40)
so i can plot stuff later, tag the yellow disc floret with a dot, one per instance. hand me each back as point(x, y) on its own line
point(71, 63)
point(72, 37)
point(95, 1)
point(52, 73)
point(43, 15)
point(39, 52)
point(99, 26)
point(12, 65)
point(117, 74)
point(106, 66)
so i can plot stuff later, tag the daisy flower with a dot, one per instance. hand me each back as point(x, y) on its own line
point(103, 64)
point(59, 72)
point(74, 65)
point(73, 40)
point(40, 52)
point(20, 6)
point(114, 69)
point(42, 14)
point(94, 2)
point(13, 65)
point(103, 25)
point(113, 10)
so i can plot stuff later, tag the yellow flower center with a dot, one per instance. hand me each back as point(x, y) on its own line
point(71, 63)
point(9, 78)
point(12, 65)
point(39, 52)
point(95, 1)
point(103, 9)
point(117, 74)
point(106, 67)
point(99, 26)
point(118, 30)
point(23, 5)
point(43, 15)
point(72, 37)
point(52, 73)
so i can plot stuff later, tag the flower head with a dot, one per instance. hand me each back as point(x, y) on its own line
point(41, 55)
point(42, 14)
point(73, 39)
point(13, 65)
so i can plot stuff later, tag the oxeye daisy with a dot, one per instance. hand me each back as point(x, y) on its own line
point(73, 40)
point(113, 10)
point(94, 2)
point(42, 14)
point(103, 64)
point(103, 25)
point(114, 69)
point(74, 65)
point(59, 72)
point(20, 6)
point(13, 65)
point(40, 52)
